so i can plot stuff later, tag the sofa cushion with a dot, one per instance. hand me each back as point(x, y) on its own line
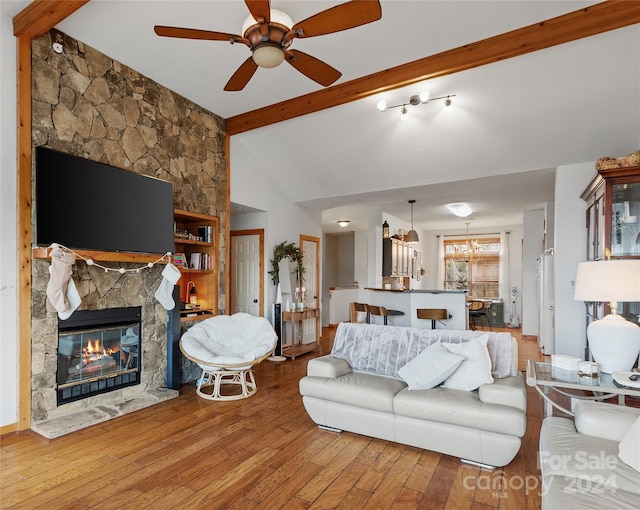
point(475, 370)
point(592, 461)
point(608, 421)
point(462, 408)
point(430, 368)
point(358, 389)
point(384, 350)
point(629, 446)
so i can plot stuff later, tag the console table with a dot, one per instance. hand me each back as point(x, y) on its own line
point(544, 377)
point(297, 348)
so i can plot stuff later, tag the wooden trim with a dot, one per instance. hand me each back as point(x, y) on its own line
point(304, 237)
point(599, 18)
point(227, 224)
point(260, 233)
point(24, 232)
point(8, 429)
point(107, 256)
point(42, 15)
point(33, 21)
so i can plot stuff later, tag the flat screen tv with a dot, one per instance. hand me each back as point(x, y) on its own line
point(83, 204)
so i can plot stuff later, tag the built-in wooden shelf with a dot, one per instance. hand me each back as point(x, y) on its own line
point(105, 256)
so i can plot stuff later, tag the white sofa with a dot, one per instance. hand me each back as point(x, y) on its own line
point(580, 462)
point(357, 388)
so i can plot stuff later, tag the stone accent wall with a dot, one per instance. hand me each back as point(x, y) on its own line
point(89, 105)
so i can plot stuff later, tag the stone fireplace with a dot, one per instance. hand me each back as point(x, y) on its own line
point(60, 407)
point(87, 104)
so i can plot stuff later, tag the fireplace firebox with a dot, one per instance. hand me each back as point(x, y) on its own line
point(98, 351)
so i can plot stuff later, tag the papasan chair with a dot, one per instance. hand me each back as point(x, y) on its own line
point(226, 347)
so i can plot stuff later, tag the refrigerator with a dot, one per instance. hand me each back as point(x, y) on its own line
point(545, 295)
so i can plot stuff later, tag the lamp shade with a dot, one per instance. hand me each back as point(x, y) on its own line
point(608, 280)
point(412, 237)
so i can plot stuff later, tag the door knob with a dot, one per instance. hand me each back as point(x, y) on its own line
point(255, 300)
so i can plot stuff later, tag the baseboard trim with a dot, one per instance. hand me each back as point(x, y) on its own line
point(8, 429)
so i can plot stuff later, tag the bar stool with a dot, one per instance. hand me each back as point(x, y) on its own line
point(380, 311)
point(434, 314)
point(356, 308)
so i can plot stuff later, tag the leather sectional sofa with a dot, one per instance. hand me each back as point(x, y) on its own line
point(592, 462)
point(358, 388)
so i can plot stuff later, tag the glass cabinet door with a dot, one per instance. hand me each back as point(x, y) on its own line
point(625, 216)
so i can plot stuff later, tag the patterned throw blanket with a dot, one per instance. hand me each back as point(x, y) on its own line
point(383, 350)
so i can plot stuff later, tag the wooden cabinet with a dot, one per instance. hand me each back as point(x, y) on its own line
point(613, 214)
point(196, 239)
point(613, 224)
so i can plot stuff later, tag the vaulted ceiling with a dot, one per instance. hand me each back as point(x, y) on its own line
point(511, 124)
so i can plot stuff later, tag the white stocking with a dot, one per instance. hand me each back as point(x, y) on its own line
point(60, 270)
point(164, 294)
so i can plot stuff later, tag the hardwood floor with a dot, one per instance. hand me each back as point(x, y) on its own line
point(262, 452)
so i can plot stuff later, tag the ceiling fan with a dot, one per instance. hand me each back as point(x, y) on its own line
point(269, 32)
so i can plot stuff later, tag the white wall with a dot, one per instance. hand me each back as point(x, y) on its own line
point(570, 248)
point(283, 221)
point(8, 266)
point(532, 248)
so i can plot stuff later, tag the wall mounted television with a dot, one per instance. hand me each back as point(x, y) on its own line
point(84, 204)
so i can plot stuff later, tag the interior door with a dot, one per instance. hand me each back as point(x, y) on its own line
point(311, 260)
point(247, 272)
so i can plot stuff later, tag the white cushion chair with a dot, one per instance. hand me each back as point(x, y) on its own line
point(226, 347)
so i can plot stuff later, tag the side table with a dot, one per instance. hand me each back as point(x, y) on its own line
point(296, 317)
point(545, 377)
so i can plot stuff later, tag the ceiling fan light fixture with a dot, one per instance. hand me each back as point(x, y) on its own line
point(268, 56)
point(344, 223)
point(460, 209)
point(277, 16)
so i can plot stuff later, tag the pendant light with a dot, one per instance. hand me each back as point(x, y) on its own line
point(412, 236)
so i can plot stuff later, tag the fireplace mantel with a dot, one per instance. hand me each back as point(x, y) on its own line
point(105, 256)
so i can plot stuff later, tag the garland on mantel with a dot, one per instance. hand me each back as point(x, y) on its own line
point(90, 262)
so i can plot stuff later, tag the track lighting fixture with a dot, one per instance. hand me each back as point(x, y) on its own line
point(415, 100)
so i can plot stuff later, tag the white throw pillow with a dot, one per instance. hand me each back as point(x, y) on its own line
point(475, 370)
point(430, 367)
point(629, 447)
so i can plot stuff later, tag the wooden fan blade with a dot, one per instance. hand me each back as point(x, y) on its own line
point(193, 33)
point(341, 17)
point(242, 76)
point(313, 68)
point(259, 9)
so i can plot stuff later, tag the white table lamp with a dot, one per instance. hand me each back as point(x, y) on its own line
point(614, 342)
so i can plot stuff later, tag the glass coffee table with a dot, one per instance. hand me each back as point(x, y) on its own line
point(546, 378)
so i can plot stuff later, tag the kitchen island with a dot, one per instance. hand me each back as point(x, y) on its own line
point(408, 301)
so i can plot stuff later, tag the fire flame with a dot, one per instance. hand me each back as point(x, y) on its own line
point(93, 351)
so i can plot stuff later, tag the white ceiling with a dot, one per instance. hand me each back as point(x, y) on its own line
point(496, 147)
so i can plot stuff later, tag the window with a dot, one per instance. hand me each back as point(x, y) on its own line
point(473, 266)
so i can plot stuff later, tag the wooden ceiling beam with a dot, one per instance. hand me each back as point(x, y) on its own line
point(599, 18)
point(41, 16)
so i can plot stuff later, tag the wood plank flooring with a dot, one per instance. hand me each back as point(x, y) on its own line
point(262, 452)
